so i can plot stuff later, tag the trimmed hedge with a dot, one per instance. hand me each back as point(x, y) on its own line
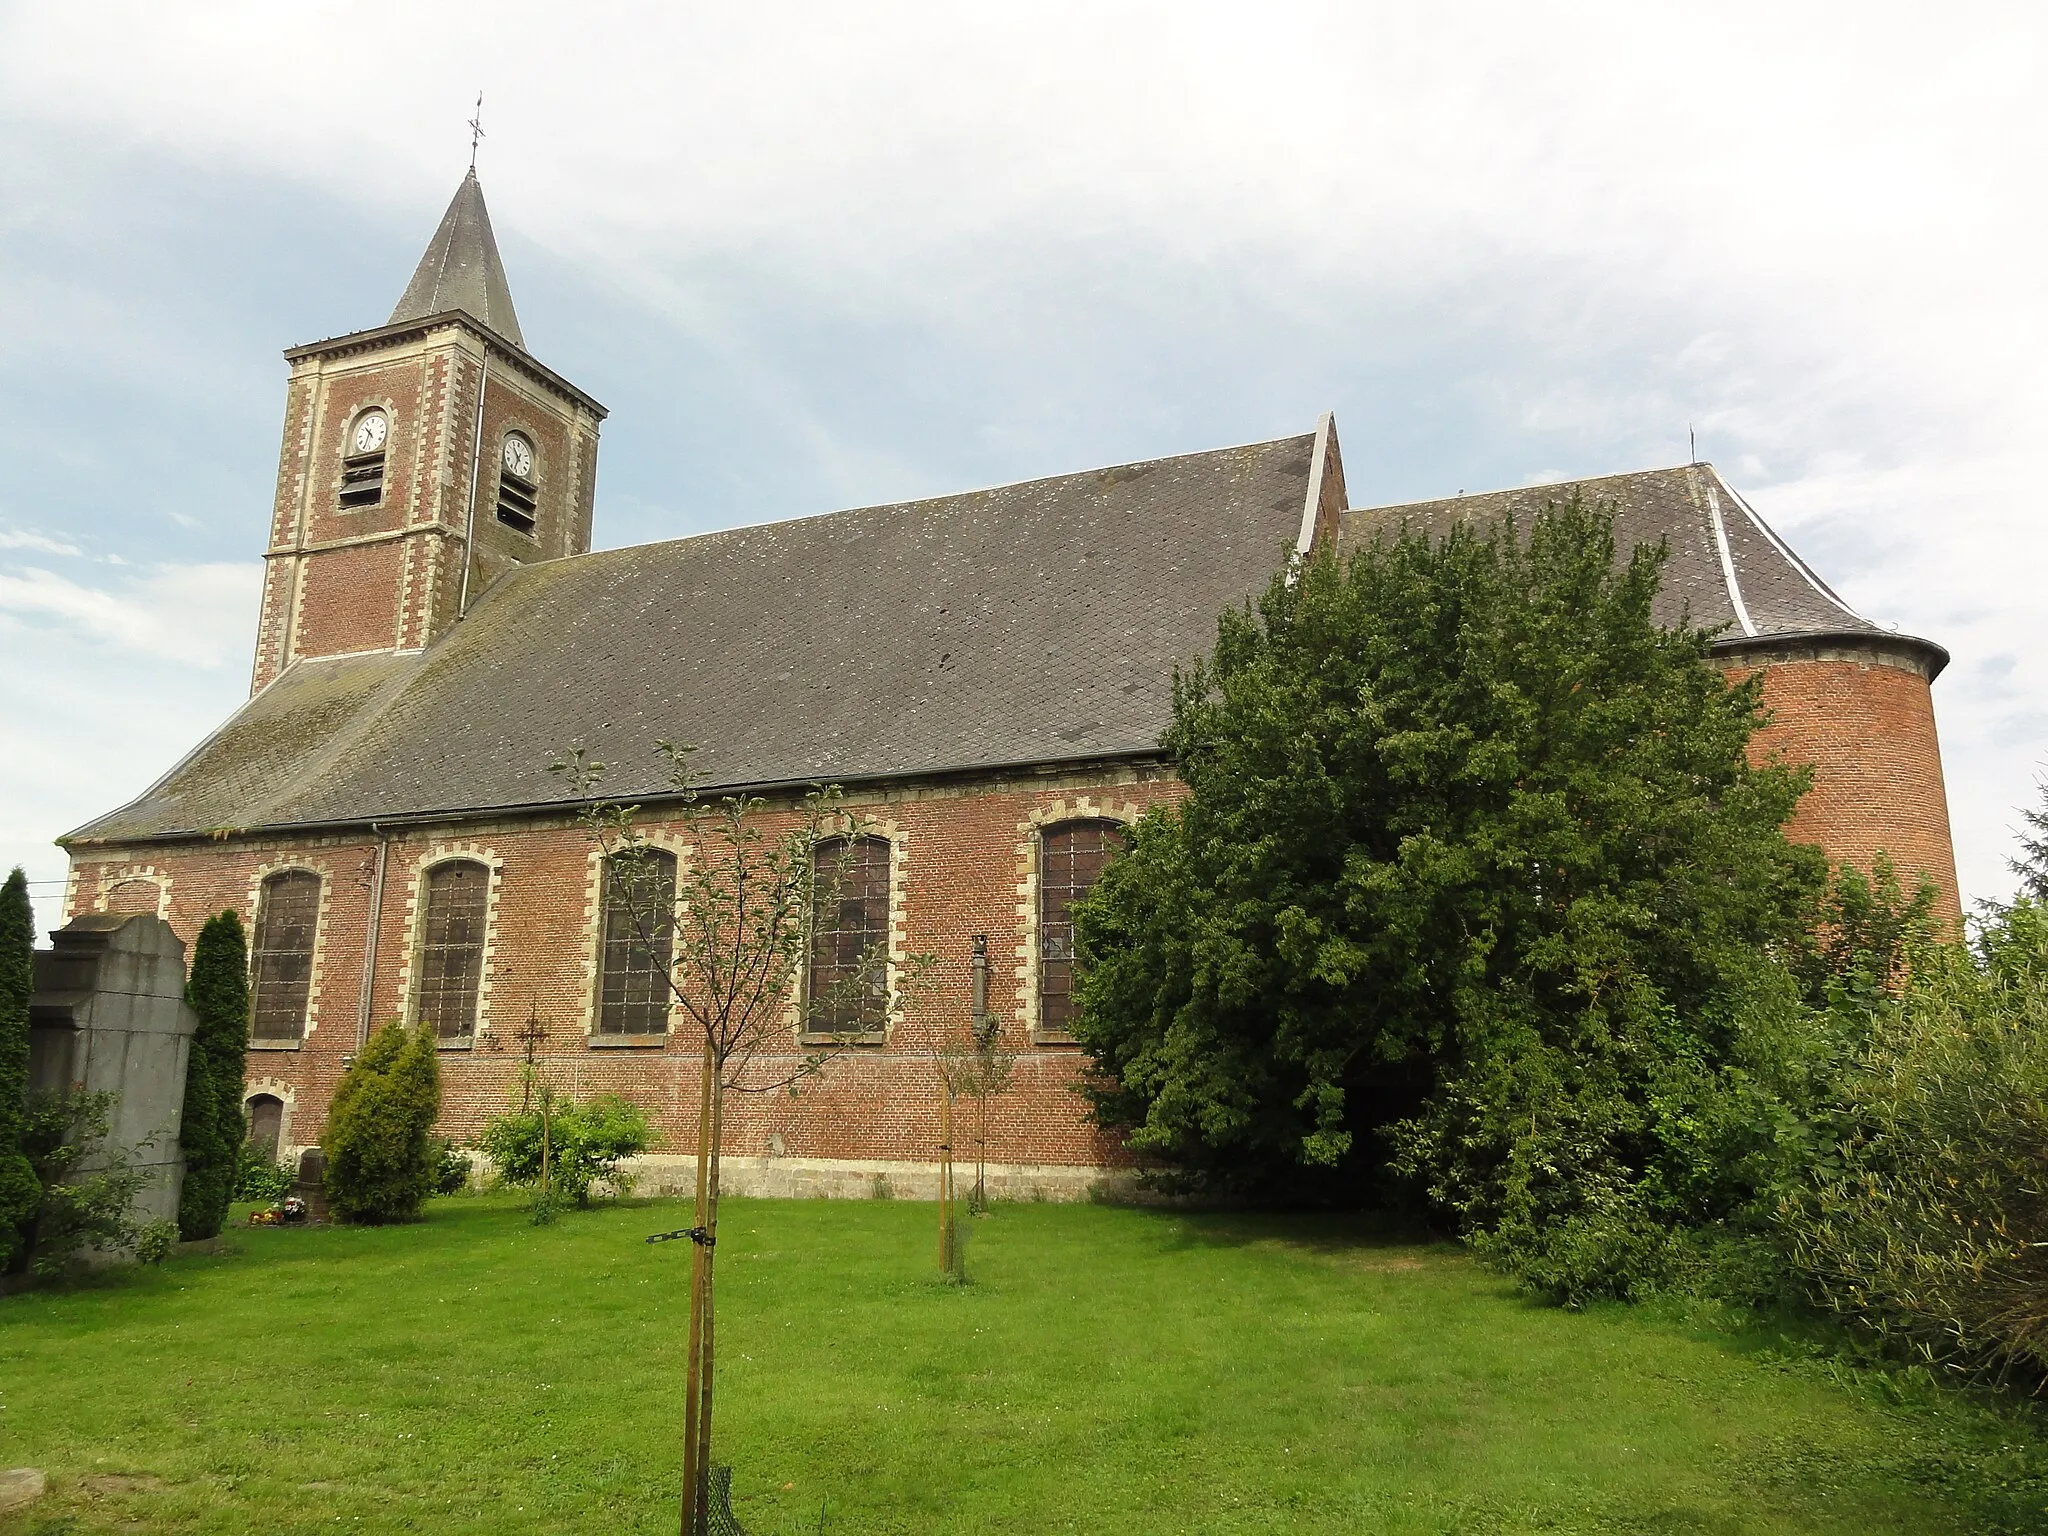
point(381, 1159)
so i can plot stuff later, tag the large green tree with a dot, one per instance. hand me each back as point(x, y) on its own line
point(1473, 870)
point(212, 1131)
point(20, 1193)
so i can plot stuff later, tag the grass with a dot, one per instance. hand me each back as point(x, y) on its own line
point(1109, 1370)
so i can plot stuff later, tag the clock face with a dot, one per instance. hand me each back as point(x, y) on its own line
point(370, 432)
point(519, 456)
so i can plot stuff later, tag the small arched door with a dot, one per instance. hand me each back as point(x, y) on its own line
point(266, 1123)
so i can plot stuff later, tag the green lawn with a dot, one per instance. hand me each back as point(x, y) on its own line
point(1109, 1370)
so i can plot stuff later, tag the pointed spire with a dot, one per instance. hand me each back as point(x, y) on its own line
point(462, 269)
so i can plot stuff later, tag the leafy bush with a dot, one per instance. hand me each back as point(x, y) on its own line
point(1719, 1143)
point(381, 1162)
point(260, 1177)
point(88, 1192)
point(1928, 1223)
point(211, 1132)
point(451, 1172)
point(586, 1144)
point(154, 1242)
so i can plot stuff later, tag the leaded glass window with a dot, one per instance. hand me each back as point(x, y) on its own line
point(1070, 858)
point(452, 950)
point(848, 987)
point(287, 920)
point(639, 932)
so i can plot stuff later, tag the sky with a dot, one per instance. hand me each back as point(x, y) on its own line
point(818, 256)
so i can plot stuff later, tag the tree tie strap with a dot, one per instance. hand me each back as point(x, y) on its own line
point(699, 1235)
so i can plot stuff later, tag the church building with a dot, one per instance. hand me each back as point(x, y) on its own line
point(986, 676)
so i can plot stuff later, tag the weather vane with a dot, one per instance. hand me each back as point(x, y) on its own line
point(476, 131)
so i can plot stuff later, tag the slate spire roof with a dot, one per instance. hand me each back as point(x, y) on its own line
point(462, 269)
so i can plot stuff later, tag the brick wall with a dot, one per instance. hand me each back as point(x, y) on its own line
point(1864, 719)
point(962, 847)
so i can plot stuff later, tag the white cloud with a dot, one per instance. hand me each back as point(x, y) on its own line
point(119, 683)
point(201, 615)
point(42, 543)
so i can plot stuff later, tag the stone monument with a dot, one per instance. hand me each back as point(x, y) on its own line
point(109, 1016)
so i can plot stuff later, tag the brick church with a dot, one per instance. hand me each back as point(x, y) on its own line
point(986, 675)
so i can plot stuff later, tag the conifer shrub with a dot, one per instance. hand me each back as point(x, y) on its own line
point(20, 1190)
point(380, 1152)
point(586, 1144)
point(212, 1131)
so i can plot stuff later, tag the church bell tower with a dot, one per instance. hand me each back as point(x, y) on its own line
point(420, 460)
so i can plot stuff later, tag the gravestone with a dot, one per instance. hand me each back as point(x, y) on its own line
point(311, 1183)
point(109, 1016)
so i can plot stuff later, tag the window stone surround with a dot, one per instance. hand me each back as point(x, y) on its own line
point(255, 911)
point(593, 939)
point(1079, 808)
point(104, 886)
point(415, 931)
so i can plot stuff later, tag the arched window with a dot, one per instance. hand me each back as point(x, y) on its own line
point(135, 896)
point(281, 970)
point(452, 950)
point(266, 1123)
point(639, 933)
point(1070, 857)
point(848, 984)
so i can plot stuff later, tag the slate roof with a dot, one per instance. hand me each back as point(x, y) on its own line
point(462, 269)
point(1727, 567)
point(1037, 623)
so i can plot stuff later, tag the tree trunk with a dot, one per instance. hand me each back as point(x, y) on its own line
point(694, 1471)
point(981, 1151)
point(945, 1177)
point(709, 1249)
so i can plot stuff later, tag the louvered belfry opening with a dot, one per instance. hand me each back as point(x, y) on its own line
point(452, 950)
point(362, 481)
point(849, 938)
point(518, 495)
point(639, 938)
point(287, 922)
point(1071, 857)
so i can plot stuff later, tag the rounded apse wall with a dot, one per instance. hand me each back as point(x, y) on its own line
point(1860, 710)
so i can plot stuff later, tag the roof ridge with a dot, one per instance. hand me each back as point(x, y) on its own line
point(904, 506)
point(1541, 485)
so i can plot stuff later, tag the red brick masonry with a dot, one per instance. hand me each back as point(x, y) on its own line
point(963, 853)
point(1863, 715)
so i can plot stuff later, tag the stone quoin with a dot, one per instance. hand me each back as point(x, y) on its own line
point(985, 675)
